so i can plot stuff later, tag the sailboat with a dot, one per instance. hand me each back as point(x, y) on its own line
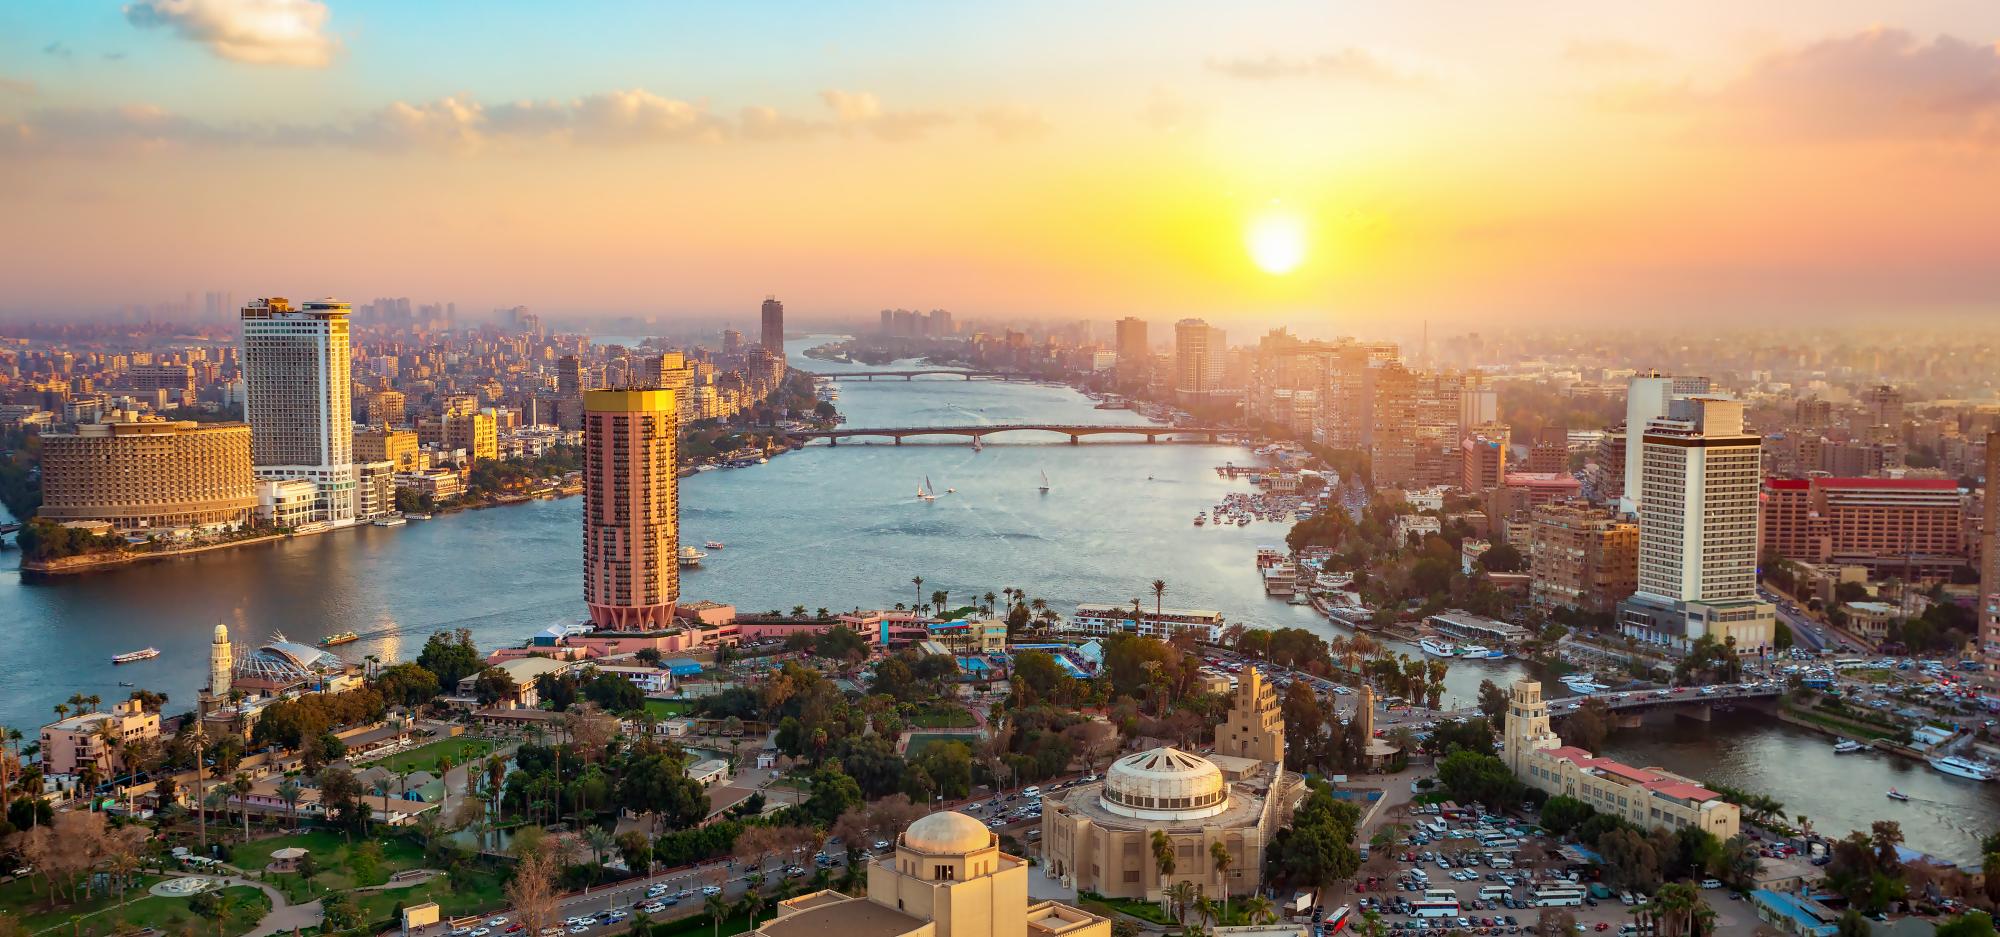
point(924, 490)
point(1045, 482)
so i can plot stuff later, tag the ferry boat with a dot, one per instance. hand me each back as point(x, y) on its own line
point(1895, 794)
point(713, 544)
point(1963, 768)
point(338, 638)
point(418, 517)
point(131, 657)
point(390, 522)
point(1583, 685)
point(1847, 746)
point(1438, 649)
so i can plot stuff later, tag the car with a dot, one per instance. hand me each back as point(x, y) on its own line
point(881, 844)
point(579, 929)
point(1031, 792)
point(1603, 926)
point(496, 922)
point(515, 928)
point(711, 890)
point(653, 907)
point(615, 916)
point(460, 931)
point(1711, 883)
point(481, 931)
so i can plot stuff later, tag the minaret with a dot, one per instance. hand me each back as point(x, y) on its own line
point(221, 664)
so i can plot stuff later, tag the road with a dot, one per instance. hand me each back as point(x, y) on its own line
point(1806, 633)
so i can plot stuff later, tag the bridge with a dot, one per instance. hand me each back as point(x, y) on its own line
point(1630, 705)
point(1075, 433)
point(919, 372)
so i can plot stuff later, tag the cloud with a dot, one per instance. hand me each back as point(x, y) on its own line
point(257, 32)
point(1012, 123)
point(58, 50)
point(862, 111)
point(1348, 64)
point(1881, 84)
point(1610, 53)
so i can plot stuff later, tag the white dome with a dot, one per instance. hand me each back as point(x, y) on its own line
point(1164, 784)
point(947, 831)
point(222, 634)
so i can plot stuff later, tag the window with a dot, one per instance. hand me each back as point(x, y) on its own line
point(944, 873)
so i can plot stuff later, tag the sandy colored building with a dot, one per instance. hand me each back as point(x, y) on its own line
point(947, 878)
point(1648, 797)
point(147, 475)
point(631, 509)
point(69, 745)
point(1099, 836)
point(477, 433)
point(1581, 558)
point(398, 446)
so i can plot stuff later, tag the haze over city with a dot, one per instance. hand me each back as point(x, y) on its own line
point(1569, 162)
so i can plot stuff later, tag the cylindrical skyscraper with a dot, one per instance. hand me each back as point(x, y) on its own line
point(774, 327)
point(631, 509)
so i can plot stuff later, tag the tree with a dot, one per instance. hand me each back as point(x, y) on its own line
point(450, 657)
point(1475, 777)
point(1562, 813)
point(1218, 855)
point(1969, 924)
point(918, 581)
point(1502, 558)
point(1257, 909)
point(493, 686)
point(1588, 727)
point(717, 910)
point(1630, 861)
point(1852, 924)
point(1492, 700)
point(658, 784)
point(1159, 593)
point(532, 892)
point(1163, 854)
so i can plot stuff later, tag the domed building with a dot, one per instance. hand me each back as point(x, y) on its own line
point(947, 878)
point(282, 665)
point(1099, 837)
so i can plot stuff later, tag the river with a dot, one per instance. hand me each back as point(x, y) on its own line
point(837, 527)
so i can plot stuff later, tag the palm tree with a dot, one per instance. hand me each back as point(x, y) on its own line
point(242, 786)
point(1258, 909)
point(1181, 897)
point(753, 902)
point(1159, 593)
point(444, 766)
point(289, 791)
point(918, 581)
point(717, 910)
point(1207, 911)
point(989, 597)
point(1219, 855)
point(938, 599)
point(1163, 857)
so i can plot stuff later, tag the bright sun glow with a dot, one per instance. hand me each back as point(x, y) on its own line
point(1277, 242)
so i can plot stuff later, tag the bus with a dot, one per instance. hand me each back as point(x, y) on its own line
point(1849, 663)
point(1436, 902)
point(1557, 896)
point(1337, 921)
point(1490, 892)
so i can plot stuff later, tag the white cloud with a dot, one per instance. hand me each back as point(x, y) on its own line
point(259, 32)
point(1348, 64)
point(863, 111)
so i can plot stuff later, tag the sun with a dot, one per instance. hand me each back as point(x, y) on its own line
point(1276, 240)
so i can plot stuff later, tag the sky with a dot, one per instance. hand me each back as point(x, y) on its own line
point(1331, 163)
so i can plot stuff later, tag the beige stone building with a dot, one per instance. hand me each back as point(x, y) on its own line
point(397, 446)
point(1648, 797)
point(150, 475)
point(1099, 836)
point(1582, 558)
point(947, 878)
point(87, 739)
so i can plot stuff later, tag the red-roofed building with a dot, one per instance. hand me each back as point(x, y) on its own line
point(1913, 528)
point(1545, 487)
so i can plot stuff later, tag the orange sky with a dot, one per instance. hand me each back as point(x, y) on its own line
point(1800, 158)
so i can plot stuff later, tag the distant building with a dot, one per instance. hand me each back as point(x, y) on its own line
point(1989, 560)
point(150, 475)
point(1483, 455)
point(297, 399)
point(1198, 359)
point(1162, 623)
point(631, 509)
point(1912, 528)
point(773, 334)
point(397, 446)
point(474, 432)
point(93, 742)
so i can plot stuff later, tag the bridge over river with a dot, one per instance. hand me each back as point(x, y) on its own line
point(919, 372)
point(1684, 701)
point(1074, 432)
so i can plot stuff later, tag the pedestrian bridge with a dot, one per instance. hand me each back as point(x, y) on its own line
point(1074, 432)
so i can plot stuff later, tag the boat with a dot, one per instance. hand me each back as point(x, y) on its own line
point(338, 638)
point(924, 490)
point(390, 522)
point(417, 517)
point(951, 491)
point(713, 544)
point(1963, 768)
point(1582, 685)
point(130, 657)
point(126, 683)
point(690, 558)
point(1438, 648)
point(1847, 746)
point(1200, 519)
point(1895, 794)
point(1045, 483)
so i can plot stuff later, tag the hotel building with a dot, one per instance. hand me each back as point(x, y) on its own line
point(772, 337)
point(1913, 528)
point(83, 740)
point(296, 399)
point(1106, 620)
point(1698, 531)
point(1098, 836)
point(631, 509)
point(947, 878)
point(150, 475)
point(1647, 797)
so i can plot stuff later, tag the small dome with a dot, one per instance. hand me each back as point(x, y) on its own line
point(1164, 783)
point(222, 634)
point(947, 831)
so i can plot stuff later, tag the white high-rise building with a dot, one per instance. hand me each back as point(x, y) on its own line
point(296, 399)
point(1198, 357)
point(1646, 400)
point(1699, 475)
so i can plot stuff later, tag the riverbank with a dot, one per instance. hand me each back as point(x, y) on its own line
point(92, 562)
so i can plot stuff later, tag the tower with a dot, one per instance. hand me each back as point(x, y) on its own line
point(1989, 558)
point(221, 664)
point(1364, 710)
point(296, 399)
point(1527, 725)
point(773, 335)
point(1255, 727)
point(631, 508)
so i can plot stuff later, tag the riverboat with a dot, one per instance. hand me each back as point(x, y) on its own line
point(1437, 648)
point(1895, 794)
point(1963, 768)
point(131, 657)
point(713, 544)
point(339, 638)
point(418, 517)
point(1847, 746)
point(390, 522)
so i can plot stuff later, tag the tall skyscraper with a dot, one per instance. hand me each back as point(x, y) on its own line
point(631, 509)
point(296, 399)
point(569, 392)
point(1133, 350)
point(774, 326)
point(1700, 474)
point(1646, 399)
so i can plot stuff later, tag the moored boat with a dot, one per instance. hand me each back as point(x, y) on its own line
point(134, 656)
point(1435, 648)
point(1963, 768)
point(390, 522)
point(1847, 746)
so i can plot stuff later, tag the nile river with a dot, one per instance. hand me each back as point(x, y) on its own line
point(839, 528)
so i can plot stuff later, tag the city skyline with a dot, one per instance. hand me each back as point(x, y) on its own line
point(1357, 168)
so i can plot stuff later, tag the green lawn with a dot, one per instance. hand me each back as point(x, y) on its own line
point(424, 757)
point(476, 890)
point(25, 899)
point(247, 906)
point(943, 717)
point(922, 741)
point(336, 859)
point(667, 708)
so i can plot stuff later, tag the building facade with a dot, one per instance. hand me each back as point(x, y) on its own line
point(1581, 559)
point(1700, 474)
point(1913, 528)
point(150, 475)
point(296, 398)
point(631, 509)
point(1646, 797)
point(84, 743)
point(772, 335)
point(1198, 358)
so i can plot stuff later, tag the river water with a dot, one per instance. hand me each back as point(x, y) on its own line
point(837, 527)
